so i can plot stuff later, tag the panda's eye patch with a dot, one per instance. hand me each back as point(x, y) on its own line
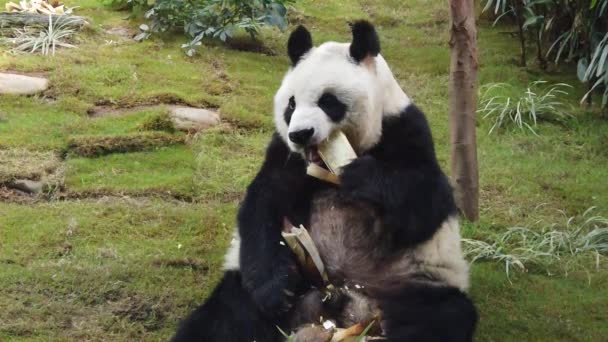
point(333, 107)
point(291, 107)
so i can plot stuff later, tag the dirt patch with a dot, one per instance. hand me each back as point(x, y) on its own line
point(380, 19)
point(109, 110)
point(111, 195)
point(96, 146)
point(161, 122)
point(9, 195)
point(189, 263)
point(27, 73)
point(122, 32)
point(104, 108)
point(25, 164)
point(137, 309)
point(25, 174)
point(296, 17)
point(249, 45)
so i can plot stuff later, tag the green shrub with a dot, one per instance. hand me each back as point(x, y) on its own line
point(135, 6)
point(564, 31)
point(217, 19)
point(508, 105)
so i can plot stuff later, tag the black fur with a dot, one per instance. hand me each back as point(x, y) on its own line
point(334, 108)
point(269, 269)
point(300, 41)
point(365, 41)
point(402, 178)
point(426, 313)
point(228, 315)
point(291, 107)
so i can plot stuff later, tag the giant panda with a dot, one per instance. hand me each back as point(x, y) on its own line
point(390, 229)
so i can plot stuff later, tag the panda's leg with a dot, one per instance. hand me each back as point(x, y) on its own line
point(228, 315)
point(429, 313)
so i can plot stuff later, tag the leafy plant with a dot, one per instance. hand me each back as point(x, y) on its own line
point(547, 246)
point(597, 68)
point(568, 30)
point(45, 40)
point(505, 104)
point(216, 19)
point(137, 7)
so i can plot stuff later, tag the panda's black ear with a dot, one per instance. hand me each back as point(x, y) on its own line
point(298, 44)
point(365, 41)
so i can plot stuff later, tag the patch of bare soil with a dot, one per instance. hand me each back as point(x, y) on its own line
point(135, 195)
point(189, 263)
point(249, 45)
point(125, 33)
point(9, 195)
point(138, 309)
point(96, 146)
point(109, 110)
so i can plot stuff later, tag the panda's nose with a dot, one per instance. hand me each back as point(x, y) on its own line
point(302, 136)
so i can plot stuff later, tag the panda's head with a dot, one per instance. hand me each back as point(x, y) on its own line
point(345, 86)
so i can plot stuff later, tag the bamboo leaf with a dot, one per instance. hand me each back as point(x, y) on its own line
point(602, 63)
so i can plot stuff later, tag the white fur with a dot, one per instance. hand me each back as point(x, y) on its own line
point(368, 89)
point(441, 256)
point(232, 258)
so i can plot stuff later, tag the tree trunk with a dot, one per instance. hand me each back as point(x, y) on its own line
point(463, 105)
point(519, 17)
point(542, 62)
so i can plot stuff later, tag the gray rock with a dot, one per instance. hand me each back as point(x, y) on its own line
point(193, 119)
point(22, 85)
point(26, 185)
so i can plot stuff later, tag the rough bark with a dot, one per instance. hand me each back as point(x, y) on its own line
point(519, 13)
point(463, 105)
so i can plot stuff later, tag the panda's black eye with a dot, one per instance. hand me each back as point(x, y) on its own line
point(291, 107)
point(334, 108)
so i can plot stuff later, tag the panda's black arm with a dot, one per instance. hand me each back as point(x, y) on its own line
point(402, 177)
point(269, 270)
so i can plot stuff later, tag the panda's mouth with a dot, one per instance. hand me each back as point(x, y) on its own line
point(313, 156)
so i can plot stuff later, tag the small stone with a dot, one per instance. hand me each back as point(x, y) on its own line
point(21, 84)
point(193, 119)
point(26, 185)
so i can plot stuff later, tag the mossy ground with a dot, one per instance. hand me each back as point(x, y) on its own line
point(139, 240)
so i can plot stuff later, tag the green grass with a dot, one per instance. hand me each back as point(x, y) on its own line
point(98, 269)
point(138, 239)
point(165, 171)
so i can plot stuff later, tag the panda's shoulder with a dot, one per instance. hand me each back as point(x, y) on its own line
point(409, 119)
point(407, 134)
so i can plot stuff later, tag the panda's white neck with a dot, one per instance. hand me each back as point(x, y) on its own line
point(390, 101)
point(394, 100)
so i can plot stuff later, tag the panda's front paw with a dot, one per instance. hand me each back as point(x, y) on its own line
point(277, 296)
point(362, 180)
